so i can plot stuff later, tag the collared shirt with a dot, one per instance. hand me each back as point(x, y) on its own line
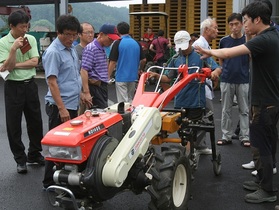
point(63, 63)
point(5, 47)
point(94, 61)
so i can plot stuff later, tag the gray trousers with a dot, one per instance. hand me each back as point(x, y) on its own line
point(228, 91)
point(125, 91)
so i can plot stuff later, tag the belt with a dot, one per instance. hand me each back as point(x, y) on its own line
point(95, 82)
point(26, 81)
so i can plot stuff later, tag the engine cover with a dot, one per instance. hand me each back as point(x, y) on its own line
point(147, 123)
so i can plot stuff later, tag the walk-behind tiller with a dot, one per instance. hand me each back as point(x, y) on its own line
point(127, 146)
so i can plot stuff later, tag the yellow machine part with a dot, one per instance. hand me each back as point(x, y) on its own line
point(168, 121)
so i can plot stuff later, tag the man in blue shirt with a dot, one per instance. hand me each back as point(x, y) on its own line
point(128, 55)
point(192, 96)
point(62, 72)
point(234, 81)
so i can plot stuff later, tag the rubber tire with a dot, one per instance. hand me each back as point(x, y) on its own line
point(94, 169)
point(171, 179)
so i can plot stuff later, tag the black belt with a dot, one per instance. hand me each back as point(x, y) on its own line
point(26, 81)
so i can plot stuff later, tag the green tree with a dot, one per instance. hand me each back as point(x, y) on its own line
point(43, 22)
point(4, 25)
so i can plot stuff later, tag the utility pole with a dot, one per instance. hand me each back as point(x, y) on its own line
point(64, 7)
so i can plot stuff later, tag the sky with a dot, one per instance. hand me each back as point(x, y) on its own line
point(127, 3)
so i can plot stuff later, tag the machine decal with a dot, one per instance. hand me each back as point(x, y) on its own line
point(60, 133)
point(94, 130)
point(140, 139)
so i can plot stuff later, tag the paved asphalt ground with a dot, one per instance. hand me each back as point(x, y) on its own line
point(209, 192)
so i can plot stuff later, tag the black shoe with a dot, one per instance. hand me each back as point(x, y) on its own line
point(37, 160)
point(22, 168)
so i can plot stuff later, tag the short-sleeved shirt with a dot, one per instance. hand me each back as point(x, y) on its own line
point(202, 42)
point(79, 50)
point(193, 94)
point(235, 70)
point(63, 63)
point(128, 53)
point(264, 83)
point(5, 46)
point(94, 61)
point(160, 45)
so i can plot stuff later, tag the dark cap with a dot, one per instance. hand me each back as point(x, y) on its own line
point(110, 30)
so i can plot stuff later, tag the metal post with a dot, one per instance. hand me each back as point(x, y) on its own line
point(204, 10)
point(56, 11)
point(64, 7)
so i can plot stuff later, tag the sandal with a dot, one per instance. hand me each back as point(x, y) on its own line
point(245, 143)
point(222, 142)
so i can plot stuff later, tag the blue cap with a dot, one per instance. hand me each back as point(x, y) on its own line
point(110, 30)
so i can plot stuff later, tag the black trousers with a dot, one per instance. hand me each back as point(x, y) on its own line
point(100, 95)
point(22, 97)
point(53, 121)
point(264, 136)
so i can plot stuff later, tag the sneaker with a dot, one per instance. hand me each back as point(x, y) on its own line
point(204, 151)
point(251, 185)
point(21, 168)
point(250, 165)
point(254, 173)
point(260, 196)
point(37, 160)
point(277, 207)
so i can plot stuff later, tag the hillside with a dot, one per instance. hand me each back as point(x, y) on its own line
point(94, 13)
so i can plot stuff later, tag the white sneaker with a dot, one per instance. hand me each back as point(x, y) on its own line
point(254, 173)
point(250, 165)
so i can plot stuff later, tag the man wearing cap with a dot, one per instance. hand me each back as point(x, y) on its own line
point(94, 68)
point(130, 59)
point(192, 96)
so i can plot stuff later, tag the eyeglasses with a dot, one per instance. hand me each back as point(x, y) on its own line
point(88, 33)
point(68, 35)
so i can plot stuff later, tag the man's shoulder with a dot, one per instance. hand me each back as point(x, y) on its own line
point(225, 38)
point(201, 42)
point(78, 47)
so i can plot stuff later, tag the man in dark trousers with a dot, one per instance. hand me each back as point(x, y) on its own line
point(62, 72)
point(19, 55)
point(264, 87)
